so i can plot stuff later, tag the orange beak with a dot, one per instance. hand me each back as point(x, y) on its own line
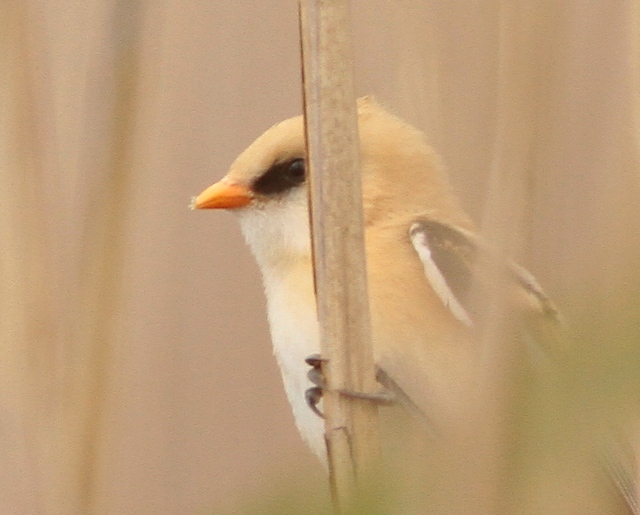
point(223, 195)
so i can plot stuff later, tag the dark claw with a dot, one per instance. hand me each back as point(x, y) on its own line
point(313, 397)
point(315, 361)
point(316, 376)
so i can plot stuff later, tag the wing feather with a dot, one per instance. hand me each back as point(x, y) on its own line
point(435, 275)
point(449, 256)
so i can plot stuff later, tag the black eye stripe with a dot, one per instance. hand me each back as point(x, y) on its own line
point(281, 177)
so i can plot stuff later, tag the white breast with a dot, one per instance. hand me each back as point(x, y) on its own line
point(294, 333)
point(278, 235)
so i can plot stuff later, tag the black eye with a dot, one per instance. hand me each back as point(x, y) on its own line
point(281, 177)
point(297, 169)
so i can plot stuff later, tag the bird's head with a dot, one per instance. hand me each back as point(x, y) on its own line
point(266, 185)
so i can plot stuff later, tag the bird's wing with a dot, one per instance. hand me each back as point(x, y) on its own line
point(450, 256)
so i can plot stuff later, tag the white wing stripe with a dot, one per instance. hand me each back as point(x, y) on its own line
point(435, 277)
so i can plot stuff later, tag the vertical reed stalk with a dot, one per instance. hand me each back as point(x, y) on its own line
point(351, 427)
point(104, 242)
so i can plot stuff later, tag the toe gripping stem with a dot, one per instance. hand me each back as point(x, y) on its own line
point(313, 395)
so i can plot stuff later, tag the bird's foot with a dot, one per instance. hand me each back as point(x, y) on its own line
point(383, 397)
point(313, 395)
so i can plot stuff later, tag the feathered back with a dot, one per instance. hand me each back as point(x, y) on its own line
point(395, 155)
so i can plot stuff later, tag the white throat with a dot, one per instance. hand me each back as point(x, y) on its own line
point(278, 236)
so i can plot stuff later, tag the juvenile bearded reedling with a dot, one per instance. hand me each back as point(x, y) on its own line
point(421, 250)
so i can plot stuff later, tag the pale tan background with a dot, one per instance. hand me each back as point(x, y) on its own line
point(192, 416)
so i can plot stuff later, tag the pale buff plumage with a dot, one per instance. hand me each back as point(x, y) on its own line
point(423, 340)
point(417, 340)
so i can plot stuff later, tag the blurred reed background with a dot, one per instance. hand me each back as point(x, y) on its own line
point(136, 374)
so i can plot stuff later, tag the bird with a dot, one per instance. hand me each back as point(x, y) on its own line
point(422, 252)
